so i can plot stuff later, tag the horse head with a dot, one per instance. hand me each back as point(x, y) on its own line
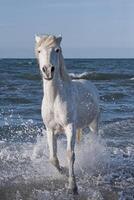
point(48, 52)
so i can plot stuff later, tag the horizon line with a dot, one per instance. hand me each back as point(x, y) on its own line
point(71, 58)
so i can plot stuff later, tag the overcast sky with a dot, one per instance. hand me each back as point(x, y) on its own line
point(90, 28)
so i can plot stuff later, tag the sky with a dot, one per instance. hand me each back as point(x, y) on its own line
point(90, 28)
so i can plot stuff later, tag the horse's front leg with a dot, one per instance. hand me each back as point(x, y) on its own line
point(71, 136)
point(52, 143)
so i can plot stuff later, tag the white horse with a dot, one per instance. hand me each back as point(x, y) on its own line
point(68, 105)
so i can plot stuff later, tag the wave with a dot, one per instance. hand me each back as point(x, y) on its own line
point(84, 75)
point(113, 96)
point(100, 76)
point(29, 76)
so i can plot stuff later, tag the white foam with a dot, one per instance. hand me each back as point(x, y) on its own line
point(95, 165)
point(81, 75)
point(89, 154)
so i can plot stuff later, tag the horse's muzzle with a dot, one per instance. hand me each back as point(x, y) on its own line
point(48, 72)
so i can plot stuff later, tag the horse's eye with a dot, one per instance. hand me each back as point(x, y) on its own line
point(38, 51)
point(57, 50)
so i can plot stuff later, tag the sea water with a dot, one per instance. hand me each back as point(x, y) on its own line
point(104, 164)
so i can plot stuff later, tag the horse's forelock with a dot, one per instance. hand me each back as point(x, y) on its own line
point(47, 41)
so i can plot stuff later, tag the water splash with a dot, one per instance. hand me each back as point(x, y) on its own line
point(104, 165)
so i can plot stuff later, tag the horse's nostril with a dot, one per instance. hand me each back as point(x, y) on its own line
point(44, 69)
point(52, 69)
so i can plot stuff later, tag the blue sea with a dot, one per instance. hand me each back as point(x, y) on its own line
point(104, 164)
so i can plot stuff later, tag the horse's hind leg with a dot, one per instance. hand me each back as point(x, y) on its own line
point(52, 143)
point(94, 126)
point(71, 136)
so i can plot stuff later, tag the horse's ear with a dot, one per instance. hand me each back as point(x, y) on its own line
point(37, 38)
point(59, 38)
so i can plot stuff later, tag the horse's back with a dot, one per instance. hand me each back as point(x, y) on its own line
point(86, 87)
point(86, 101)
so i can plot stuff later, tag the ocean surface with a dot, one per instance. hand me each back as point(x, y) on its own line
point(104, 164)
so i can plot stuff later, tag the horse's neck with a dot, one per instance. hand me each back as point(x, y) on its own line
point(63, 72)
point(58, 85)
point(50, 90)
point(53, 88)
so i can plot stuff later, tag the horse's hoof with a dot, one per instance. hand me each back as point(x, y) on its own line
point(73, 191)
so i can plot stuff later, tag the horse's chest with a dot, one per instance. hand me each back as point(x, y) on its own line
point(54, 115)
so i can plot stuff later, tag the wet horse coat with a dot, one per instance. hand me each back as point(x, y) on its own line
point(67, 105)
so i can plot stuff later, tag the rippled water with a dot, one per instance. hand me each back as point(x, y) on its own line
point(104, 165)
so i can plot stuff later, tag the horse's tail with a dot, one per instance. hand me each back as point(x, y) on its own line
point(78, 135)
